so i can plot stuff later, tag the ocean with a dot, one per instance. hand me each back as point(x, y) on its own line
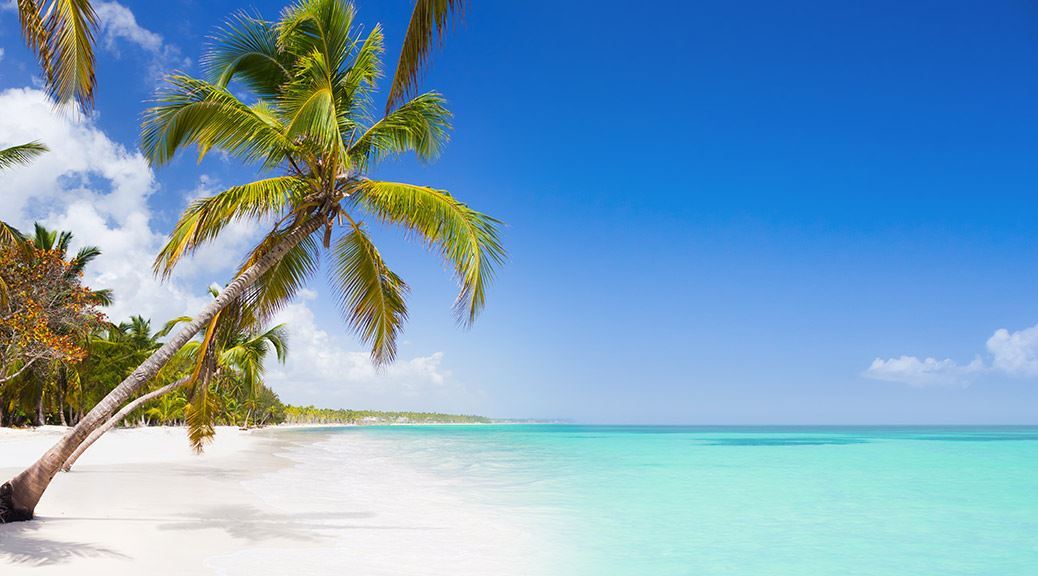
point(678, 500)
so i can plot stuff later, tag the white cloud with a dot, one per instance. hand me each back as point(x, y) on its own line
point(324, 370)
point(98, 190)
point(118, 25)
point(923, 373)
point(1015, 353)
point(1011, 354)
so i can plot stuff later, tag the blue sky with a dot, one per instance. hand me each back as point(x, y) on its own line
point(753, 212)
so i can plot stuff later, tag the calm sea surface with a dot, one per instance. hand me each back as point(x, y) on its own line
point(619, 500)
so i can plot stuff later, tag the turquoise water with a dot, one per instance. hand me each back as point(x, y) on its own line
point(751, 501)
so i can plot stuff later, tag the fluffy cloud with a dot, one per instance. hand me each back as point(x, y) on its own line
point(98, 190)
point(1015, 353)
point(321, 368)
point(1011, 354)
point(119, 26)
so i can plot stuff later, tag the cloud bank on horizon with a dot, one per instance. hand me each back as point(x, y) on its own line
point(1012, 354)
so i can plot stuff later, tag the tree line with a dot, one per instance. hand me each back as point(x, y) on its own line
point(313, 415)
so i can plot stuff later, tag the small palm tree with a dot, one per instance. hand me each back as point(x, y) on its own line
point(61, 34)
point(43, 239)
point(231, 355)
point(311, 78)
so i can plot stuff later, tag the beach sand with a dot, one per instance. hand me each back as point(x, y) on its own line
point(257, 502)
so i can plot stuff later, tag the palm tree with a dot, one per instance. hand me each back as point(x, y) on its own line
point(61, 34)
point(43, 239)
point(312, 78)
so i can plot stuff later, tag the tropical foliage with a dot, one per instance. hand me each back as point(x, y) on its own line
point(46, 313)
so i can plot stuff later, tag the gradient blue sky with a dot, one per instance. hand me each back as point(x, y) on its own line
point(718, 212)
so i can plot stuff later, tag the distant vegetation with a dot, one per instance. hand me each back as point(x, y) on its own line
point(312, 415)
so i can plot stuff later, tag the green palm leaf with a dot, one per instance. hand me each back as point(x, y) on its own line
point(20, 155)
point(70, 30)
point(246, 49)
point(207, 217)
point(370, 294)
point(467, 239)
point(61, 35)
point(191, 111)
point(420, 126)
point(282, 282)
point(429, 22)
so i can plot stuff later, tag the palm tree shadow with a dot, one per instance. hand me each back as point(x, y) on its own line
point(254, 525)
point(20, 544)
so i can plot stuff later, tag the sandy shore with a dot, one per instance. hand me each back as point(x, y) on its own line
point(138, 499)
point(258, 502)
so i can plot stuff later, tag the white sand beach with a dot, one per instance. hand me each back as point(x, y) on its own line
point(260, 502)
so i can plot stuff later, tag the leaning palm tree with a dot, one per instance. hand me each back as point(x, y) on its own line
point(311, 79)
point(61, 34)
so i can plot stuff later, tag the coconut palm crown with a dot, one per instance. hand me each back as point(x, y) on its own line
point(305, 124)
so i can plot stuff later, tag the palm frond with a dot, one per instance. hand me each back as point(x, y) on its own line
point(169, 326)
point(282, 282)
point(420, 126)
point(318, 26)
point(246, 49)
point(70, 26)
point(207, 217)
point(30, 16)
point(9, 235)
point(200, 412)
point(467, 239)
point(370, 294)
point(191, 111)
point(85, 256)
point(21, 155)
point(366, 67)
point(43, 239)
point(429, 22)
point(101, 297)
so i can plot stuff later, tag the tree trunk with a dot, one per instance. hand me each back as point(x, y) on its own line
point(118, 417)
point(19, 496)
point(39, 406)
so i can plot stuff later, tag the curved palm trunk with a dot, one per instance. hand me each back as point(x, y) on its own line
point(19, 496)
point(118, 417)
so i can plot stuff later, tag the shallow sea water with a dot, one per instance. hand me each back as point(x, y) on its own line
point(782, 501)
